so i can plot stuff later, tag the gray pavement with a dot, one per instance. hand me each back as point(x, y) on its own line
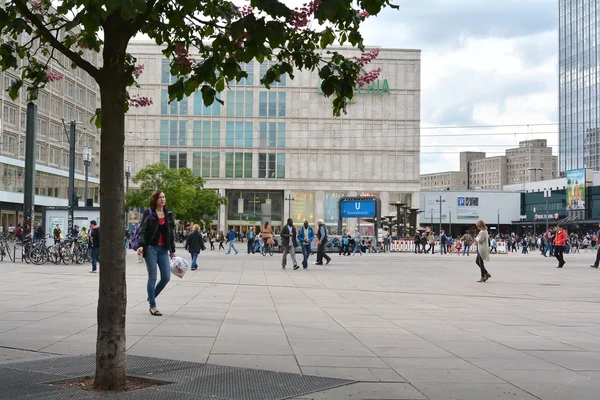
point(406, 326)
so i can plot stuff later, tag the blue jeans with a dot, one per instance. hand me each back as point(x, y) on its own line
point(157, 256)
point(357, 248)
point(231, 246)
point(467, 250)
point(305, 254)
point(95, 256)
point(548, 249)
point(443, 249)
point(194, 259)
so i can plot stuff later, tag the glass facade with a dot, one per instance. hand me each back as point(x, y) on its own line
point(173, 133)
point(238, 165)
point(251, 206)
point(579, 100)
point(175, 108)
point(201, 109)
point(303, 207)
point(271, 165)
point(207, 133)
point(239, 103)
point(238, 134)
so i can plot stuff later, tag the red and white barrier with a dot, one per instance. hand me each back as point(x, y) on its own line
point(408, 246)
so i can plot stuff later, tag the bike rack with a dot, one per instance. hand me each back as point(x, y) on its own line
point(20, 246)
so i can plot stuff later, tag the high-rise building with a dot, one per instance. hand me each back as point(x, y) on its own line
point(75, 97)
point(267, 147)
point(579, 95)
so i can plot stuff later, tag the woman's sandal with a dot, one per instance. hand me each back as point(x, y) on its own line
point(155, 313)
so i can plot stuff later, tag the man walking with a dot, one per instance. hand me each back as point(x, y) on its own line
point(305, 236)
point(250, 238)
point(595, 265)
point(443, 243)
point(549, 240)
point(94, 244)
point(231, 239)
point(289, 243)
point(321, 241)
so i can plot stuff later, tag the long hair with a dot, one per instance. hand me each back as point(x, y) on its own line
point(481, 225)
point(154, 198)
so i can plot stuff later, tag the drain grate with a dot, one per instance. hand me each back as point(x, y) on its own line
point(26, 380)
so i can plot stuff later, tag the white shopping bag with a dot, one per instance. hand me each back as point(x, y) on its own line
point(179, 266)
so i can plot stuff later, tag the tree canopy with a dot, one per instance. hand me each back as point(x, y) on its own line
point(185, 193)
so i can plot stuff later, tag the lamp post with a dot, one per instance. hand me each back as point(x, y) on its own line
point(440, 201)
point(289, 198)
point(498, 228)
point(431, 215)
point(127, 175)
point(87, 161)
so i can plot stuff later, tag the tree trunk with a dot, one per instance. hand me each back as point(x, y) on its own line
point(112, 301)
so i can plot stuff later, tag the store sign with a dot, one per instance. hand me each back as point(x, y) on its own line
point(378, 87)
point(358, 208)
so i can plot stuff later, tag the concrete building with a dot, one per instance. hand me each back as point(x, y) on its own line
point(263, 147)
point(447, 180)
point(75, 97)
point(531, 161)
point(579, 80)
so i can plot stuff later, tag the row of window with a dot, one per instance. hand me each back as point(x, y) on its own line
point(208, 133)
point(238, 103)
point(237, 164)
point(70, 89)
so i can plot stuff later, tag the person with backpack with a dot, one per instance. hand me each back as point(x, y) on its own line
point(194, 243)
point(321, 241)
point(94, 244)
point(156, 241)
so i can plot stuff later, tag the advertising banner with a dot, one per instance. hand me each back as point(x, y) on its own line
point(576, 189)
point(468, 208)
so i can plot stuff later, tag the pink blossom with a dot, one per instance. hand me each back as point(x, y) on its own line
point(137, 71)
point(246, 10)
point(364, 14)
point(37, 5)
point(367, 78)
point(140, 101)
point(81, 45)
point(183, 58)
point(301, 17)
point(367, 57)
point(53, 76)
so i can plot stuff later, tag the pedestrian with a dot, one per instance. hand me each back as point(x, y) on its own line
point(483, 250)
point(84, 234)
point(549, 236)
point(250, 238)
point(194, 243)
point(468, 241)
point(494, 248)
point(345, 241)
point(94, 245)
point(39, 232)
point(289, 243)
point(417, 241)
point(231, 241)
point(443, 250)
point(57, 232)
point(321, 242)
point(458, 245)
point(595, 264)
point(431, 242)
point(267, 235)
point(211, 239)
point(524, 246)
point(560, 241)
point(156, 241)
point(221, 240)
point(424, 243)
point(305, 237)
point(357, 242)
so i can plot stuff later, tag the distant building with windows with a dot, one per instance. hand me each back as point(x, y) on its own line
point(532, 161)
point(262, 146)
point(75, 97)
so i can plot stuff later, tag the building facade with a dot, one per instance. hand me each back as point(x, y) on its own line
point(488, 173)
point(75, 97)
point(280, 152)
point(531, 161)
point(447, 180)
point(579, 96)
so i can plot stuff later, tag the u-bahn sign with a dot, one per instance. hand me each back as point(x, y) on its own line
point(358, 208)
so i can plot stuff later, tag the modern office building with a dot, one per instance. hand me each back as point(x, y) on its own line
point(579, 96)
point(75, 97)
point(282, 148)
point(531, 161)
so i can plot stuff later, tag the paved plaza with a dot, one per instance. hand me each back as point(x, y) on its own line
point(403, 326)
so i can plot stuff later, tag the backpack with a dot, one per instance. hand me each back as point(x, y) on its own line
point(135, 239)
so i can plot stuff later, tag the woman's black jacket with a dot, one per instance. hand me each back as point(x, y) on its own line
point(149, 230)
point(195, 242)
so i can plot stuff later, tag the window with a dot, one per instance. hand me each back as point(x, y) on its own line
point(164, 158)
point(21, 151)
point(8, 82)
point(43, 101)
point(263, 70)
point(271, 165)
point(175, 107)
point(174, 159)
point(55, 106)
point(23, 121)
point(207, 133)
point(272, 134)
point(79, 116)
point(42, 153)
point(200, 109)
point(271, 104)
point(79, 93)
point(206, 164)
point(167, 79)
point(238, 165)
point(91, 100)
point(53, 156)
point(55, 131)
point(65, 159)
point(69, 88)
point(173, 133)
point(238, 134)
point(9, 115)
point(8, 144)
point(249, 81)
point(42, 127)
point(239, 103)
point(68, 112)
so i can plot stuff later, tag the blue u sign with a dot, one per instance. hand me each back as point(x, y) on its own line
point(358, 209)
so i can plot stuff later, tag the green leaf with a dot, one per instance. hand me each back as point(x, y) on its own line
point(208, 95)
point(327, 38)
point(14, 89)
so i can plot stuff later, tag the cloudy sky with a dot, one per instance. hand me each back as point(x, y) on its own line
point(484, 63)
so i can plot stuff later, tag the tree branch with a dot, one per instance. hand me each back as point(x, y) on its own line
point(76, 58)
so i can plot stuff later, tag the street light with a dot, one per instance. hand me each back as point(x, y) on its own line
point(127, 175)
point(289, 198)
point(87, 161)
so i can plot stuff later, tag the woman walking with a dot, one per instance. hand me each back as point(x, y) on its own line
point(194, 243)
point(211, 239)
point(431, 242)
point(221, 239)
point(560, 241)
point(157, 243)
point(483, 250)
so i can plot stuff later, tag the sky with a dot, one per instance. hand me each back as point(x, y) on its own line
point(484, 63)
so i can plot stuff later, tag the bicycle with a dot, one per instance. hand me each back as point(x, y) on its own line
point(268, 248)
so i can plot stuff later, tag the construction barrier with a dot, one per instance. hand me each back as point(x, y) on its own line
point(408, 246)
